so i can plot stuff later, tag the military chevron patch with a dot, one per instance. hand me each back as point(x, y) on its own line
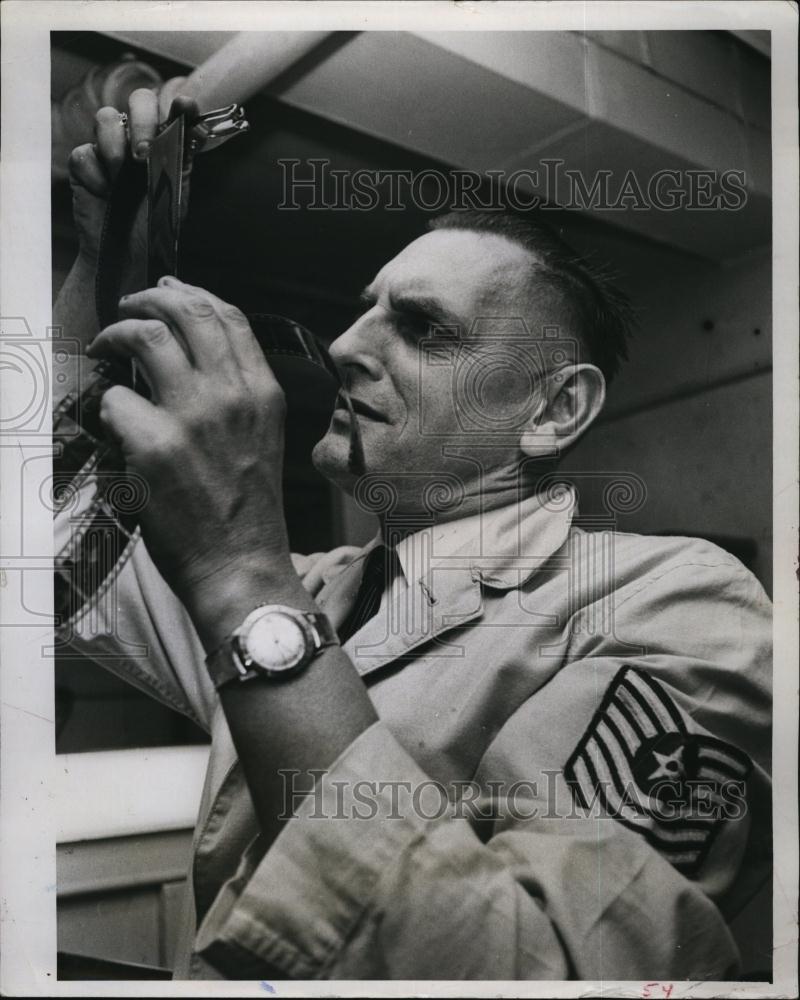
point(638, 763)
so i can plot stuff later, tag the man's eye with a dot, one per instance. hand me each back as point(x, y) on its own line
point(413, 324)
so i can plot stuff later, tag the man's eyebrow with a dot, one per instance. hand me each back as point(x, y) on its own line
point(424, 306)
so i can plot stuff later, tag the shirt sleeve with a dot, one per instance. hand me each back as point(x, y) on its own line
point(381, 875)
point(135, 627)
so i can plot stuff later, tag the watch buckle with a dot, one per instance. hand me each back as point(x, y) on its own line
point(244, 670)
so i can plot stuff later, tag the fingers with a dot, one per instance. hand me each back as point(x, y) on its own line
point(96, 167)
point(129, 418)
point(109, 130)
point(162, 359)
point(300, 562)
point(85, 170)
point(241, 340)
point(325, 566)
point(311, 574)
point(142, 120)
point(113, 136)
point(217, 336)
point(193, 319)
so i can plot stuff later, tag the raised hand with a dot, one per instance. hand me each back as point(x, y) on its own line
point(93, 167)
point(209, 441)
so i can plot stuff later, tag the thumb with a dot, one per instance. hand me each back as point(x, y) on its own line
point(129, 419)
point(170, 90)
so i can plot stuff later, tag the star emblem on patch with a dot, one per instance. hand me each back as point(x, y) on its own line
point(665, 760)
point(670, 765)
point(641, 765)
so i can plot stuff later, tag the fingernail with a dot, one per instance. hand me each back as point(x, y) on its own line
point(142, 149)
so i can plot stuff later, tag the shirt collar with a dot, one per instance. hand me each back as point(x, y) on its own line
point(502, 547)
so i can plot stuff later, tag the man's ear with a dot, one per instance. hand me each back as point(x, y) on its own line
point(573, 397)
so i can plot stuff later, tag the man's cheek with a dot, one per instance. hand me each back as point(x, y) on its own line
point(435, 414)
point(509, 393)
point(496, 395)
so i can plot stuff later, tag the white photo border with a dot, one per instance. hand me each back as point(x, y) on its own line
point(27, 844)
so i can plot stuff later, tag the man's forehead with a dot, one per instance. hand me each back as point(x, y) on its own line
point(462, 268)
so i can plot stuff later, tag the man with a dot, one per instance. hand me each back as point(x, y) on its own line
point(512, 762)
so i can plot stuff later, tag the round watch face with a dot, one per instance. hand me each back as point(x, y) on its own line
point(275, 642)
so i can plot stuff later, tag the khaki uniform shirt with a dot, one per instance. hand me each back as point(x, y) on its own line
point(532, 673)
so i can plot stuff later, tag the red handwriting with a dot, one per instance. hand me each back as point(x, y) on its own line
point(654, 991)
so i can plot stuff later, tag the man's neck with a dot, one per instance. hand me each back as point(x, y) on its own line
point(499, 489)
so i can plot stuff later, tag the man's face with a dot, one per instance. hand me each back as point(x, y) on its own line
point(447, 278)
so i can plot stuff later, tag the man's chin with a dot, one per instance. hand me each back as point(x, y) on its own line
point(331, 458)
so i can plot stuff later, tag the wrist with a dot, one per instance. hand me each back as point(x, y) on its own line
point(220, 602)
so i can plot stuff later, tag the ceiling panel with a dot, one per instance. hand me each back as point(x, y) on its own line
point(406, 90)
point(550, 62)
point(660, 114)
point(189, 47)
point(701, 61)
point(715, 234)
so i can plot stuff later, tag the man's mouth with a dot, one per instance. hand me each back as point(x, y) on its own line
point(362, 409)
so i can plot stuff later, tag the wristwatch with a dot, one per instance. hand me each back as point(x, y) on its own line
point(273, 642)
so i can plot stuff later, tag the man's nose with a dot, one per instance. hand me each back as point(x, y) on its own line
point(355, 348)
